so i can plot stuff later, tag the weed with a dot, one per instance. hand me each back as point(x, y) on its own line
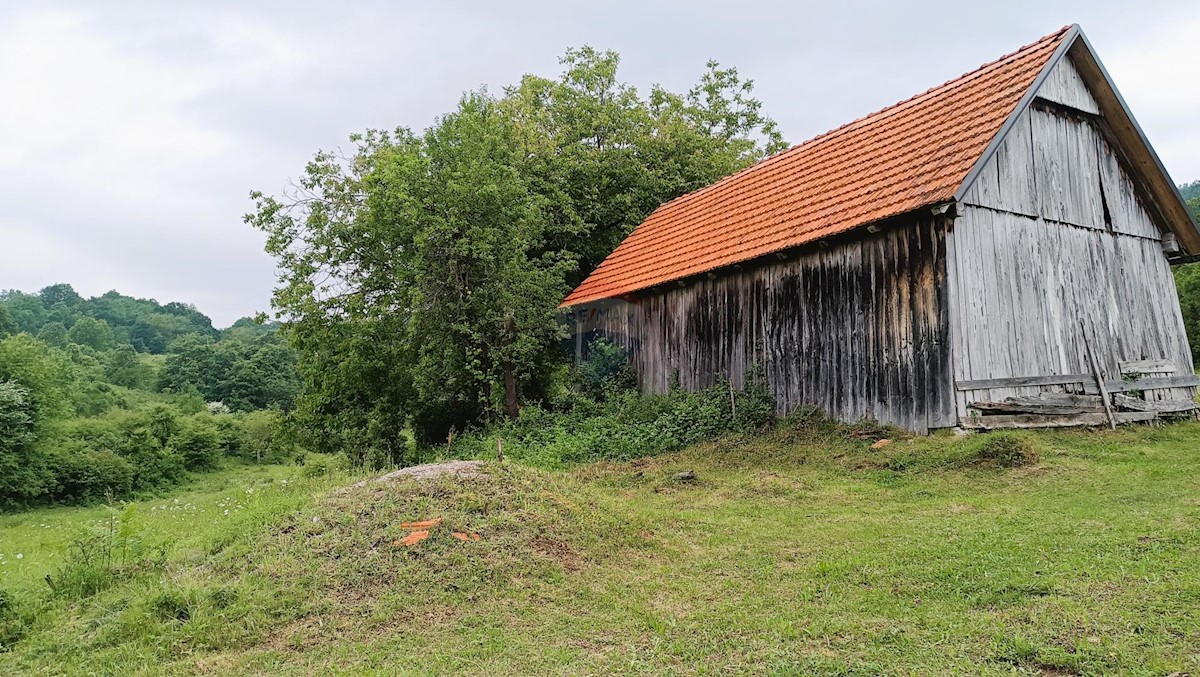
point(102, 556)
point(1008, 450)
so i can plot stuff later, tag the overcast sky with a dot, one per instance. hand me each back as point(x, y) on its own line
point(131, 133)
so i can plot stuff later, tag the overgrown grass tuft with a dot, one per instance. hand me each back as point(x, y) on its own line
point(1008, 450)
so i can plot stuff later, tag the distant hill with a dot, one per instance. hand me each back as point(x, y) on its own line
point(145, 324)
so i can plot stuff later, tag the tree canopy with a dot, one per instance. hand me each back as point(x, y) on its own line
point(420, 272)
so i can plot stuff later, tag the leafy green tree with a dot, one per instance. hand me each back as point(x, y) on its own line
point(8, 326)
point(22, 477)
point(53, 334)
point(90, 332)
point(26, 310)
point(123, 368)
point(45, 374)
point(59, 294)
point(422, 273)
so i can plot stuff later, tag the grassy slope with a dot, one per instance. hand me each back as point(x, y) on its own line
point(797, 551)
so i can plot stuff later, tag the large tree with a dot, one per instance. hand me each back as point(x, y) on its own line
point(421, 272)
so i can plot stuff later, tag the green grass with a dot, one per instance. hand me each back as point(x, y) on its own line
point(795, 552)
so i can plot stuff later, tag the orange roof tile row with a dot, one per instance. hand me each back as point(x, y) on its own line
point(911, 155)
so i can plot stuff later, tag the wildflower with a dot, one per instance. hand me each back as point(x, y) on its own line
point(316, 519)
point(20, 556)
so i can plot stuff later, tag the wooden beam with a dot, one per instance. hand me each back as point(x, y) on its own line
point(1151, 383)
point(1162, 407)
point(1019, 381)
point(1042, 421)
point(1147, 367)
point(1045, 403)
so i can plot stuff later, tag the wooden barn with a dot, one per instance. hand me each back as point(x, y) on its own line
point(993, 252)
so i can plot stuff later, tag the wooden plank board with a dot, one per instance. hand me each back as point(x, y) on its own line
point(1122, 386)
point(1162, 406)
point(1011, 406)
point(1148, 367)
point(1018, 381)
point(1063, 85)
point(1044, 403)
point(1039, 421)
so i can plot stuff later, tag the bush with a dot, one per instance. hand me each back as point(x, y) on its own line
point(84, 475)
point(1008, 450)
point(625, 425)
point(198, 443)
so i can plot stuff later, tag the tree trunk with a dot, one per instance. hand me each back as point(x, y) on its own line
point(511, 406)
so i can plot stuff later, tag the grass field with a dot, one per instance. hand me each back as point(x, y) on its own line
point(800, 551)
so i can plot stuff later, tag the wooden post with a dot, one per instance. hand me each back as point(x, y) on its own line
point(499, 449)
point(732, 402)
point(1112, 421)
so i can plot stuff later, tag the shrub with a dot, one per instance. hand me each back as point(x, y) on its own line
point(625, 425)
point(1008, 450)
point(82, 474)
point(315, 468)
point(198, 443)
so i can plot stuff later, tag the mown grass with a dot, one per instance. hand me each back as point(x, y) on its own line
point(802, 550)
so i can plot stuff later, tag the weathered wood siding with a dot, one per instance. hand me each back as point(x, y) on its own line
point(1053, 241)
point(858, 328)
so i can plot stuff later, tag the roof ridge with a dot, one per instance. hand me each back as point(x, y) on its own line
point(823, 136)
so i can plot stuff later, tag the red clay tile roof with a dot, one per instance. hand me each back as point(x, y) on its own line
point(911, 155)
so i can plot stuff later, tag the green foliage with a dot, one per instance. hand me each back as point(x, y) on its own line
point(103, 321)
point(623, 426)
point(1187, 284)
point(22, 477)
point(53, 334)
point(90, 332)
point(8, 326)
point(49, 455)
point(422, 273)
point(198, 443)
point(46, 374)
point(245, 374)
point(1191, 192)
point(607, 368)
point(102, 556)
point(122, 367)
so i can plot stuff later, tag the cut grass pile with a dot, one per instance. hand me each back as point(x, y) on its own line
point(802, 550)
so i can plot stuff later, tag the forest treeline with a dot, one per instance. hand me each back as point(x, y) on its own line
point(109, 396)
